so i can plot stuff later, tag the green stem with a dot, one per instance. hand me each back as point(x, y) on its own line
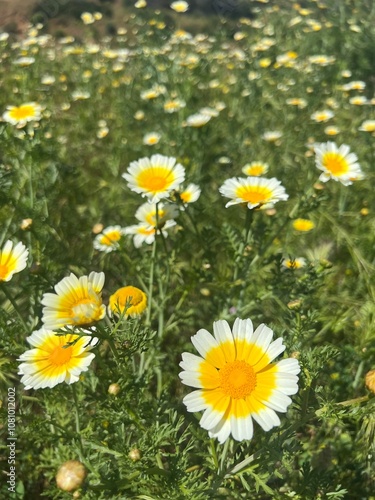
point(77, 422)
point(151, 282)
point(237, 262)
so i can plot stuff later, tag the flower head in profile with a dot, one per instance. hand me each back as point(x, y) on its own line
point(13, 259)
point(54, 359)
point(236, 379)
point(20, 115)
point(337, 163)
point(128, 301)
point(155, 177)
point(77, 302)
point(257, 192)
point(322, 116)
point(367, 126)
point(109, 239)
point(255, 169)
point(197, 120)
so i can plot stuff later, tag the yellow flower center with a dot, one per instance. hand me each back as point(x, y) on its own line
point(335, 163)
point(254, 194)
point(110, 238)
point(4, 271)
point(155, 179)
point(23, 112)
point(85, 311)
point(60, 355)
point(255, 170)
point(129, 297)
point(237, 379)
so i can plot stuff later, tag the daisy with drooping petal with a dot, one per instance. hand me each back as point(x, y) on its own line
point(155, 177)
point(129, 300)
point(13, 259)
point(20, 115)
point(109, 239)
point(255, 191)
point(337, 163)
point(236, 379)
point(77, 302)
point(146, 214)
point(52, 360)
point(255, 169)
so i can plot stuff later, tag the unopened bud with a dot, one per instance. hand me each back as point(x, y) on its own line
point(71, 475)
point(114, 389)
point(135, 454)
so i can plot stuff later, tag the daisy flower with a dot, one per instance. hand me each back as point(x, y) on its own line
point(197, 120)
point(144, 233)
point(367, 126)
point(146, 214)
point(155, 177)
point(303, 225)
point(255, 191)
point(236, 379)
point(54, 359)
point(20, 115)
point(255, 168)
point(13, 259)
point(272, 135)
point(322, 116)
point(77, 302)
point(151, 139)
point(337, 163)
point(190, 194)
point(128, 300)
point(179, 6)
point(109, 239)
point(174, 105)
point(295, 263)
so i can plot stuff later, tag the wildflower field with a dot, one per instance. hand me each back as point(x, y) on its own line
point(187, 257)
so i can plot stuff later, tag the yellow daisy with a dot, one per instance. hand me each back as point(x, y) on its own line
point(236, 379)
point(155, 177)
point(303, 225)
point(179, 6)
point(12, 260)
point(255, 191)
point(20, 115)
point(337, 163)
point(53, 361)
point(128, 300)
point(77, 301)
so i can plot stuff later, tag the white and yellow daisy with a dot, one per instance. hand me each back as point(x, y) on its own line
point(128, 300)
point(109, 239)
point(13, 259)
point(322, 116)
point(20, 115)
point(367, 126)
point(179, 6)
point(52, 360)
point(87, 18)
point(166, 214)
point(255, 191)
point(272, 135)
point(236, 379)
point(295, 263)
point(190, 194)
point(151, 138)
point(144, 233)
point(155, 177)
point(255, 168)
point(337, 163)
point(77, 302)
point(174, 105)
